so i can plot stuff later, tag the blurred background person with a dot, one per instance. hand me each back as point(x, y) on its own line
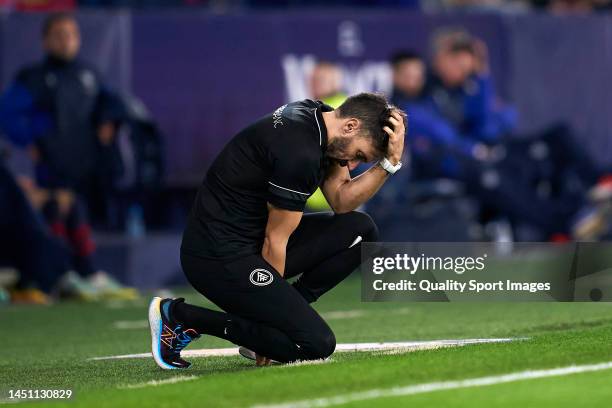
point(409, 74)
point(459, 129)
point(326, 84)
point(430, 131)
point(551, 165)
point(61, 112)
point(462, 90)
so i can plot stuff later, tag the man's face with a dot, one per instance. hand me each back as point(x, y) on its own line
point(326, 80)
point(63, 40)
point(349, 148)
point(409, 77)
point(453, 68)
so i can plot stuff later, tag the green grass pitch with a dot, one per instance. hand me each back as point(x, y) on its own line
point(49, 348)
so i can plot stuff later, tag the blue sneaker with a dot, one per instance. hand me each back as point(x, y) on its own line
point(168, 337)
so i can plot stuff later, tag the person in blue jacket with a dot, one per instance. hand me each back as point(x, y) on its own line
point(462, 90)
point(458, 129)
point(63, 114)
point(66, 117)
point(434, 141)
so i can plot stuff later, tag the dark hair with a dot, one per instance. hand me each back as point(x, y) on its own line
point(404, 56)
point(460, 46)
point(53, 19)
point(373, 112)
point(453, 39)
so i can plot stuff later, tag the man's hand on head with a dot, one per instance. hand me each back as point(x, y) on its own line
point(396, 137)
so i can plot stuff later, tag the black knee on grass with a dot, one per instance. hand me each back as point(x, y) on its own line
point(320, 345)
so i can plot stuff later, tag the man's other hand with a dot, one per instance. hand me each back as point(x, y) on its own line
point(396, 137)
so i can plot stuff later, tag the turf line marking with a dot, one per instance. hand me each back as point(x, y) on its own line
point(439, 386)
point(343, 314)
point(307, 362)
point(343, 347)
point(124, 304)
point(155, 383)
point(15, 401)
point(131, 324)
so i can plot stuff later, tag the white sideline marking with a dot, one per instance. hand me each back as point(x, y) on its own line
point(345, 347)
point(123, 304)
point(155, 383)
point(14, 401)
point(131, 324)
point(399, 351)
point(438, 386)
point(343, 314)
point(307, 362)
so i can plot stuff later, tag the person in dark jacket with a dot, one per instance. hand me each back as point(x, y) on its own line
point(62, 113)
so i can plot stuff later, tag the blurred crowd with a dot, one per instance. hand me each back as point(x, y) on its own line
point(96, 162)
point(464, 147)
point(498, 6)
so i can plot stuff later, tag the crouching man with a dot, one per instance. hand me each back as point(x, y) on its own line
point(247, 233)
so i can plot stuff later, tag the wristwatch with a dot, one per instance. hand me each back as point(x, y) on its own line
point(389, 168)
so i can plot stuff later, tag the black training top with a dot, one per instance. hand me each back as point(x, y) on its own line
point(279, 159)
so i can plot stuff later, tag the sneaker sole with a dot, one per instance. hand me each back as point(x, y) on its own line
point(155, 322)
point(246, 353)
point(250, 355)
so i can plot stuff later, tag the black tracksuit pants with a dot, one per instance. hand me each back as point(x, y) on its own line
point(265, 313)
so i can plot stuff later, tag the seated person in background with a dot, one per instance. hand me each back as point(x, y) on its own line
point(436, 143)
point(505, 184)
point(430, 133)
point(551, 161)
point(462, 90)
point(326, 84)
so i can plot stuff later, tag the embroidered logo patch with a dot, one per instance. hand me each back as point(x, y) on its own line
point(261, 277)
